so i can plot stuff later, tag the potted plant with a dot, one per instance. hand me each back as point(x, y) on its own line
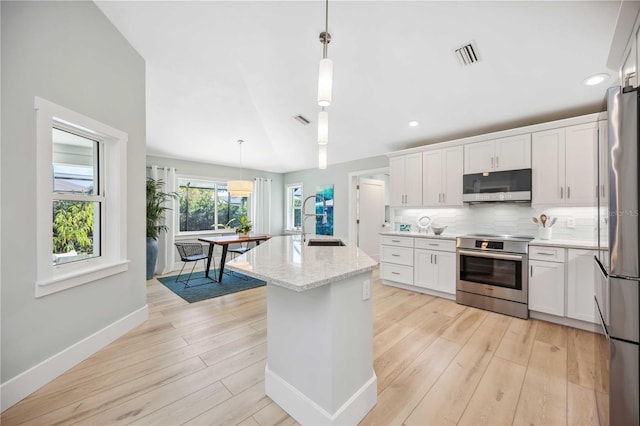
point(245, 226)
point(156, 199)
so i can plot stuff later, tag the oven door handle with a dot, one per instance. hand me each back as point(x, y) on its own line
point(490, 255)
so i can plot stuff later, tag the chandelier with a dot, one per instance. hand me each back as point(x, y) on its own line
point(240, 188)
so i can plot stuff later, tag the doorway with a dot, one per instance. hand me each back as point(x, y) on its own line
point(368, 209)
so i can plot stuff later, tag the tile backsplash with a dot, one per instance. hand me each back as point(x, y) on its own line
point(573, 223)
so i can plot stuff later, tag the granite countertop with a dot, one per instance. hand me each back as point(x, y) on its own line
point(443, 236)
point(288, 262)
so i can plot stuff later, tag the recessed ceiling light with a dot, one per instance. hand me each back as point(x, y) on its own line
point(596, 79)
point(414, 123)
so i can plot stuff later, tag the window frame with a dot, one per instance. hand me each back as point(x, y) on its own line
point(289, 210)
point(216, 182)
point(112, 144)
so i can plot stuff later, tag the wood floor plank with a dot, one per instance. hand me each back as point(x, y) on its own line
point(543, 399)
point(518, 341)
point(385, 340)
point(233, 347)
point(582, 406)
point(553, 334)
point(465, 325)
point(247, 377)
point(272, 414)
point(445, 402)
point(581, 361)
point(496, 397)
point(235, 409)
point(398, 400)
point(117, 395)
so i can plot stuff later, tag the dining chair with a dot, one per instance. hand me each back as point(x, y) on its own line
point(191, 252)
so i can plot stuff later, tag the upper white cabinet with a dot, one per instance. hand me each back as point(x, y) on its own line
point(564, 165)
point(442, 177)
point(511, 153)
point(405, 180)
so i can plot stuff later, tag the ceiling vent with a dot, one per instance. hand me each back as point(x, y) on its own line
point(467, 54)
point(301, 119)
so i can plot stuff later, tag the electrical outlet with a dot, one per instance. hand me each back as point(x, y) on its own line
point(366, 289)
point(571, 222)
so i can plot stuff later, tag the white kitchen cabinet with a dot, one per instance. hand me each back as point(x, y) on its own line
point(511, 153)
point(546, 287)
point(442, 177)
point(405, 180)
point(435, 265)
point(564, 166)
point(580, 285)
point(396, 259)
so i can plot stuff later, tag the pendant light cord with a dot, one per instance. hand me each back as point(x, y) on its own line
point(326, 30)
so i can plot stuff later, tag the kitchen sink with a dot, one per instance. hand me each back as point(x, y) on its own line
point(325, 242)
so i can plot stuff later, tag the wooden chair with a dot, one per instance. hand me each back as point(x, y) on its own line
point(190, 252)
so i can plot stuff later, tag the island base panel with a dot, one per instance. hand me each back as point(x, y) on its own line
point(320, 351)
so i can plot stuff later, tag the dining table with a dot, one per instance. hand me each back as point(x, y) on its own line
point(224, 241)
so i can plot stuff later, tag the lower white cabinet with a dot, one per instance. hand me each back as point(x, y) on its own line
point(396, 259)
point(546, 287)
point(580, 285)
point(435, 270)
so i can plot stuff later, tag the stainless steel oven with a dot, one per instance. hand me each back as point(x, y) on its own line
point(492, 273)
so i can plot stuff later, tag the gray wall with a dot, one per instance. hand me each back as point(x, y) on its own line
point(338, 176)
point(70, 54)
point(225, 173)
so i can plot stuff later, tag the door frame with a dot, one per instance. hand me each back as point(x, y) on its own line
point(352, 185)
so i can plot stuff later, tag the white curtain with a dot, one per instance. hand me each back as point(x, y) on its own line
point(261, 206)
point(167, 239)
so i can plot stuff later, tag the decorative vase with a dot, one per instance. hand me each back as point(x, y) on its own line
point(243, 234)
point(152, 256)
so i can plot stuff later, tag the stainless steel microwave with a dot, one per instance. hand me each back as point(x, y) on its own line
point(505, 186)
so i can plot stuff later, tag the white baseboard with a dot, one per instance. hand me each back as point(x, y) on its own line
point(307, 412)
point(420, 290)
point(25, 383)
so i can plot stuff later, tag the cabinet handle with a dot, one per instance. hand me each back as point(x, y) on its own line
point(395, 273)
point(431, 259)
point(568, 192)
point(545, 254)
point(561, 192)
point(395, 255)
point(443, 198)
point(434, 244)
point(531, 269)
point(492, 162)
point(395, 241)
point(435, 259)
point(497, 162)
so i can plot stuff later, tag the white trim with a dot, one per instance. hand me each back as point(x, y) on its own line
point(113, 230)
point(570, 322)
point(305, 411)
point(287, 228)
point(422, 290)
point(39, 375)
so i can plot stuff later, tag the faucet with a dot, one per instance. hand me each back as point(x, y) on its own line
point(307, 215)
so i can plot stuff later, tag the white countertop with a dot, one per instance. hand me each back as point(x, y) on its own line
point(287, 262)
point(443, 236)
point(579, 244)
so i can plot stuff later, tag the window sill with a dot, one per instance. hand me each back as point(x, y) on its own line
point(205, 233)
point(79, 277)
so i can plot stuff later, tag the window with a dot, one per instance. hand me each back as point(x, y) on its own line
point(78, 158)
point(293, 207)
point(207, 205)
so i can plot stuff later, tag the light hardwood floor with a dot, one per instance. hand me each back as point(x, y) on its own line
point(438, 363)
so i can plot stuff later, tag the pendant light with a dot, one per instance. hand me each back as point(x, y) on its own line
point(325, 74)
point(325, 85)
point(240, 188)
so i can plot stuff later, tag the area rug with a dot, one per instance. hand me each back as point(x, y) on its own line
point(202, 288)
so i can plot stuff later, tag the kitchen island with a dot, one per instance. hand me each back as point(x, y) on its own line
point(319, 328)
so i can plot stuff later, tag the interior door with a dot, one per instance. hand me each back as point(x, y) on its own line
point(370, 215)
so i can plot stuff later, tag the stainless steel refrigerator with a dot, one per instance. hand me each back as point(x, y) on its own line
point(618, 259)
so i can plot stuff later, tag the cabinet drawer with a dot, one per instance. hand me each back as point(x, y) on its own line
point(436, 244)
point(548, 254)
point(390, 240)
point(398, 255)
point(398, 273)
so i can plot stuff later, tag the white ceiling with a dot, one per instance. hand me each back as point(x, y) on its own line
point(222, 71)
